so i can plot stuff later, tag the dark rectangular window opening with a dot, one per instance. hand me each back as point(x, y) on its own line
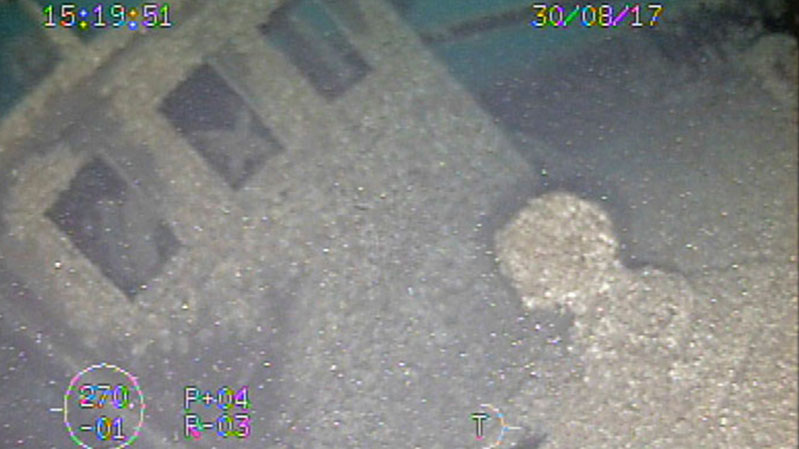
point(309, 37)
point(113, 227)
point(220, 126)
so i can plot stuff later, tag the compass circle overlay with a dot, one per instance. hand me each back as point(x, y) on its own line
point(73, 387)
